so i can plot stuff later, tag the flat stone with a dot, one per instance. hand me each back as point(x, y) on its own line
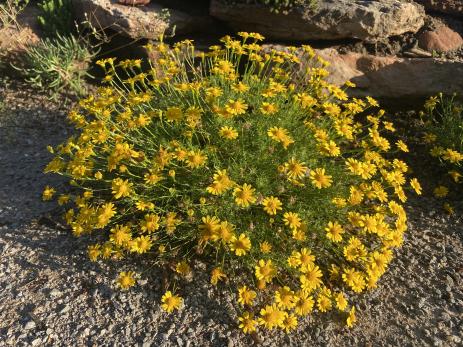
point(454, 7)
point(330, 20)
point(441, 39)
point(138, 22)
point(392, 77)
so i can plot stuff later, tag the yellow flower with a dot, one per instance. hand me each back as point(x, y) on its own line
point(354, 279)
point(120, 235)
point(304, 304)
point(294, 169)
point(247, 323)
point(305, 258)
point(452, 156)
point(268, 108)
point(441, 191)
point(415, 185)
point(150, 223)
point(402, 146)
point(228, 133)
point(284, 298)
point(334, 231)
point(63, 199)
point(121, 188)
point(94, 251)
point(280, 135)
point(224, 232)
point(354, 250)
point(429, 138)
point(152, 177)
point(246, 296)
point(265, 270)
point(217, 275)
point(311, 279)
point(183, 268)
point(195, 159)
point(323, 303)
point(341, 301)
point(330, 149)
point(289, 322)
point(240, 87)
point(126, 279)
point(448, 208)
point(455, 175)
point(292, 220)
point(170, 302)
point(209, 227)
point(174, 114)
point(265, 247)
point(48, 193)
point(141, 244)
point(271, 317)
point(236, 107)
point(351, 318)
point(271, 205)
point(240, 245)
point(320, 179)
point(244, 195)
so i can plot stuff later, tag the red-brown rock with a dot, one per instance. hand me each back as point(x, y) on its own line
point(441, 39)
point(392, 77)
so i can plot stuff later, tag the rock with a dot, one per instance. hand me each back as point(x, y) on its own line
point(454, 7)
point(55, 292)
point(391, 77)
point(30, 325)
point(148, 21)
point(330, 20)
point(37, 342)
point(441, 39)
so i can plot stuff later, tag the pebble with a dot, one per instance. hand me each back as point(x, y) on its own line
point(30, 325)
point(65, 309)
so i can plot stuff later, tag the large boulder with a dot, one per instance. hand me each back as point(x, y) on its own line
point(454, 7)
point(330, 20)
point(392, 77)
point(138, 22)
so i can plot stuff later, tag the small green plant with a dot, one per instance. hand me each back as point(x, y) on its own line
point(281, 6)
point(59, 64)
point(9, 12)
point(56, 17)
point(443, 124)
point(268, 173)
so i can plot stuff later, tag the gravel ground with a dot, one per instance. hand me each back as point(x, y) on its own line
point(51, 295)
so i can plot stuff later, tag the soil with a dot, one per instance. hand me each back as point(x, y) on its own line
point(52, 295)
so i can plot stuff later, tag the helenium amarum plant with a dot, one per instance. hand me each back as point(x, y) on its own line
point(247, 157)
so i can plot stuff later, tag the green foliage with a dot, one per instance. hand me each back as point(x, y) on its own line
point(279, 6)
point(247, 157)
point(57, 65)
point(444, 119)
point(56, 17)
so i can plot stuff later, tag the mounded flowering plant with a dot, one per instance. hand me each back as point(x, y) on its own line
point(442, 122)
point(248, 157)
